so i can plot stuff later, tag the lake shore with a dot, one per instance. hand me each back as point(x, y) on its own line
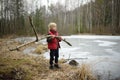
point(22, 66)
point(16, 65)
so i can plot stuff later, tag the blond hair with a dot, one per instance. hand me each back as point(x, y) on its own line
point(51, 25)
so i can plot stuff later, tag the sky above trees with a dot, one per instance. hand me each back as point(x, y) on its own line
point(32, 4)
point(45, 2)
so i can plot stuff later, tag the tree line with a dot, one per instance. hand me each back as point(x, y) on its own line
point(72, 17)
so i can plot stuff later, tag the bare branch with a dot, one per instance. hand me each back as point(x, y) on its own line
point(33, 27)
point(37, 39)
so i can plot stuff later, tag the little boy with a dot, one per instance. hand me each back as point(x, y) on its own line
point(53, 45)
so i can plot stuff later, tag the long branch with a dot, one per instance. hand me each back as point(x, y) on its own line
point(37, 39)
point(33, 27)
point(17, 47)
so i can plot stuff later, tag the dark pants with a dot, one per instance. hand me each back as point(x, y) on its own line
point(54, 55)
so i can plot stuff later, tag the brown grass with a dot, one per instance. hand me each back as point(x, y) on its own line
point(73, 73)
point(41, 49)
point(26, 67)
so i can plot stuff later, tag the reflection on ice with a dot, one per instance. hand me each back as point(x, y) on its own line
point(112, 52)
point(105, 43)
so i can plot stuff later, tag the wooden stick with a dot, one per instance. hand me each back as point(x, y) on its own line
point(33, 27)
point(37, 39)
point(65, 41)
point(17, 48)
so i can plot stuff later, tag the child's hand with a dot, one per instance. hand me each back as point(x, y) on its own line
point(53, 36)
point(59, 38)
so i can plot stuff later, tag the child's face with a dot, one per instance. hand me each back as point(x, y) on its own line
point(54, 28)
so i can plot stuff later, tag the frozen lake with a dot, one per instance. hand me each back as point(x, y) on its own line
point(102, 53)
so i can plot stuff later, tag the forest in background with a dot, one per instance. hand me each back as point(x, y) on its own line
point(94, 17)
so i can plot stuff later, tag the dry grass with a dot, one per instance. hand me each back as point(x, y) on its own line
point(62, 60)
point(41, 49)
point(16, 65)
point(73, 73)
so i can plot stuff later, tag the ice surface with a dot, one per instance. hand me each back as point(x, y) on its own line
point(103, 52)
point(105, 43)
point(93, 37)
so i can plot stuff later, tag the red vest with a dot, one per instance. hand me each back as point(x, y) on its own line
point(54, 43)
